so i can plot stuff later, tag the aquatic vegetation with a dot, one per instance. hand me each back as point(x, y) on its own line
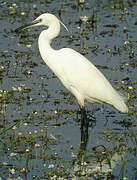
point(40, 136)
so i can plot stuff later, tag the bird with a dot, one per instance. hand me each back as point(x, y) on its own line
point(82, 78)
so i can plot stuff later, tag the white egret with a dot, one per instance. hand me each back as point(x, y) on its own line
point(74, 70)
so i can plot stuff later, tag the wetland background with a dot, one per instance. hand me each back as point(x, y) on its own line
point(40, 136)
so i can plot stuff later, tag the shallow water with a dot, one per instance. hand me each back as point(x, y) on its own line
point(44, 115)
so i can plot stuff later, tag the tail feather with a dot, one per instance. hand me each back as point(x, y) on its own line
point(121, 106)
point(120, 103)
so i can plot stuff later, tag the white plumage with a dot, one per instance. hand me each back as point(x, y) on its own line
point(75, 71)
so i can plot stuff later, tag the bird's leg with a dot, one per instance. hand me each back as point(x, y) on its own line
point(84, 125)
point(84, 136)
point(84, 120)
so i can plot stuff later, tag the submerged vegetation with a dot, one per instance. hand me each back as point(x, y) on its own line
point(40, 134)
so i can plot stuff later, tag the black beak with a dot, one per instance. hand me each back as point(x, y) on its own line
point(27, 25)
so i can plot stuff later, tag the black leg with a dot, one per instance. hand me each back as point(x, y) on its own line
point(84, 135)
point(84, 128)
point(84, 120)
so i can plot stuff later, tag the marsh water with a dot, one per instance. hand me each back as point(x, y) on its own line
point(40, 121)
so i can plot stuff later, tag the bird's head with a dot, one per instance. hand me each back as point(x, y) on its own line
point(45, 19)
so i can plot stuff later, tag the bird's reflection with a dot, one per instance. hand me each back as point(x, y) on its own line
point(99, 160)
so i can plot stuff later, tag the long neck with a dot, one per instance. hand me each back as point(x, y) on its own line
point(45, 40)
point(46, 36)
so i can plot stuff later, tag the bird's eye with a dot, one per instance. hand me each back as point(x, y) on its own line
point(40, 20)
